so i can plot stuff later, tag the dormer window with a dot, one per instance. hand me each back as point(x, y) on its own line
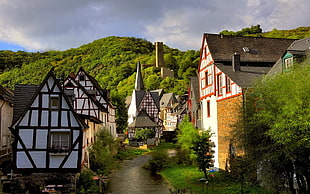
point(54, 102)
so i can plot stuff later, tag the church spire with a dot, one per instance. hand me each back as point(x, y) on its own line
point(139, 81)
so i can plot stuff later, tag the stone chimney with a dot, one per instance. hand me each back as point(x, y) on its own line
point(159, 54)
point(236, 62)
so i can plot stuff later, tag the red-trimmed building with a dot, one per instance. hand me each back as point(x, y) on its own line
point(228, 67)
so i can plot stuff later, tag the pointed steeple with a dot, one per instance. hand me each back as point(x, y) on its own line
point(139, 81)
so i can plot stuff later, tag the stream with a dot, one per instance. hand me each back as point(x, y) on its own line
point(133, 178)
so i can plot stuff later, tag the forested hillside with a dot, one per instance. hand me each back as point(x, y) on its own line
point(112, 61)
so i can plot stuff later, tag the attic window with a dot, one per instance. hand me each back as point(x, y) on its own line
point(81, 77)
point(246, 49)
point(54, 102)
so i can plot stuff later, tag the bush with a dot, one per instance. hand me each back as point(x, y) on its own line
point(159, 161)
point(86, 184)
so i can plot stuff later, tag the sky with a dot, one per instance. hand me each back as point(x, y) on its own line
point(42, 25)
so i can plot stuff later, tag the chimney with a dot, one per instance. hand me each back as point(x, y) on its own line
point(159, 54)
point(236, 62)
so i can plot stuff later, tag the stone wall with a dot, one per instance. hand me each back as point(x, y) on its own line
point(229, 115)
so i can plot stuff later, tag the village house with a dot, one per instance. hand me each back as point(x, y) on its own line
point(146, 101)
point(48, 135)
point(54, 125)
point(6, 116)
point(228, 67)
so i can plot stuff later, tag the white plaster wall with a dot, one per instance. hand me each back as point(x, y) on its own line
point(27, 136)
point(55, 160)
point(41, 139)
point(64, 118)
point(39, 158)
point(22, 160)
point(44, 118)
point(211, 123)
point(72, 160)
point(132, 110)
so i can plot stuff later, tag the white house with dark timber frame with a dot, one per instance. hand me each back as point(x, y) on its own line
point(48, 133)
point(92, 100)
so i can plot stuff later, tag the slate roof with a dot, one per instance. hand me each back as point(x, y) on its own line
point(23, 95)
point(246, 76)
point(139, 86)
point(6, 94)
point(142, 120)
point(165, 99)
point(195, 88)
point(301, 45)
point(298, 47)
point(260, 49)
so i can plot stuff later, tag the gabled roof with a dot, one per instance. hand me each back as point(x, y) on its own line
point(142, 120)
point(140, 95)
point(251, 49)
point(98, 104)
point(102, 92)
point(25, 95)
point(246, 76)
point(6, 94)
point(166, 99)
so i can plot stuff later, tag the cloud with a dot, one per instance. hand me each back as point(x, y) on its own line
point(59, 25)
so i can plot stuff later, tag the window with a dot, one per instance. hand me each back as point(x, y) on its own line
point(206, 81)
point(219, 84)
point(228, 85)
point(54, 102)
point(288, 62)
point(60, 141)
point(81, 77)
point(208, 109)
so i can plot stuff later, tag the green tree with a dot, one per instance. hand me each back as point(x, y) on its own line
point(277, 129)
point(202, 147)
point(102, 153)
point(145, 134)
point(187, 135)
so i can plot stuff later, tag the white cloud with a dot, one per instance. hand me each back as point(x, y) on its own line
point(63, 24)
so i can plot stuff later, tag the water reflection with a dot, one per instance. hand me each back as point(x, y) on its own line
point(133, 178)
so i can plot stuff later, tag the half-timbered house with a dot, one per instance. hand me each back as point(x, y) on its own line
point(48, 133)
point(6, 116)
point(90, 99)
point(143, 100)
point(228, 66)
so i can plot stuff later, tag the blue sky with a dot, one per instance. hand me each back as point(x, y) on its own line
point(40, 25)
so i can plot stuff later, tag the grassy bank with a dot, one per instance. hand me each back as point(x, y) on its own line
point(186, 178)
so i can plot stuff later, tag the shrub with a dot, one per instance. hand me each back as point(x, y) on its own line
point(159, 161)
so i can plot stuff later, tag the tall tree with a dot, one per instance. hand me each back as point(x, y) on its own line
point(277, 129)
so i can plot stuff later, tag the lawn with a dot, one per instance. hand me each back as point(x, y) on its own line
point(187, 178)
